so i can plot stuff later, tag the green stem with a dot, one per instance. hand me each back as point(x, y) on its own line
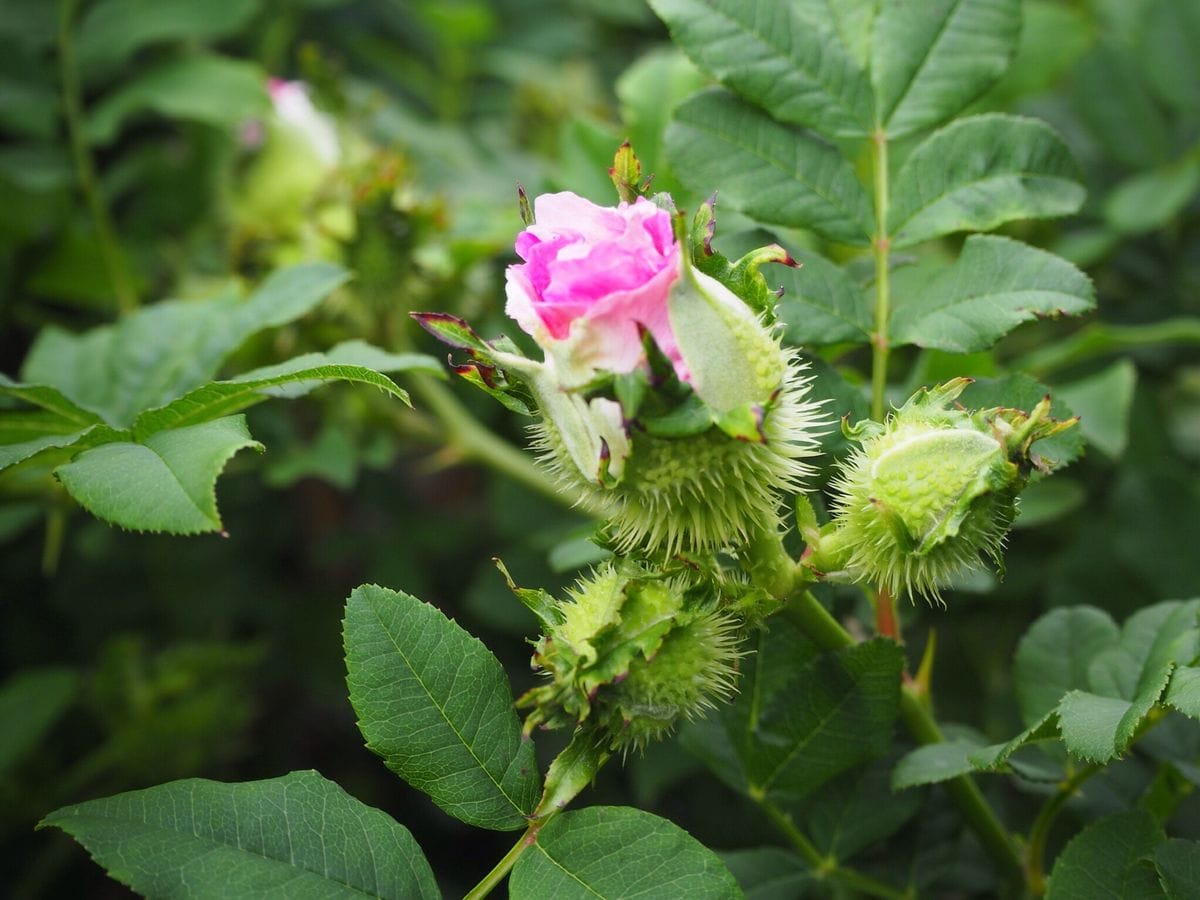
point(807, 612)
point(56, 530)
point(814, 619)
point(826, 867)
point(110, 249)
point(1035, 875)
point(475, 442)
point(572, 770)
point(881, 245)
point(992, 834)
point(501, 869)
point(769, 564)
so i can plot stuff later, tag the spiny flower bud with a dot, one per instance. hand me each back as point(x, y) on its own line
point(629, 653)
point(666, 399)
point(929, 492)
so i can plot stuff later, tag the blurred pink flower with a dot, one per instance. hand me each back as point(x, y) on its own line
point(591, 276)
point(296, 111)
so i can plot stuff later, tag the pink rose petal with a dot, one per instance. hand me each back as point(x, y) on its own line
point(594, 275)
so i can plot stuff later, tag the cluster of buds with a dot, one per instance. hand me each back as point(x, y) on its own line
point(665, 400)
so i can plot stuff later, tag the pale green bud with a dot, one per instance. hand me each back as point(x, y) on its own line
point(930, 492)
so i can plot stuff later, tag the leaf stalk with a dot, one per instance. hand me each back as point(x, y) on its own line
point(106, 237)
point(826, 867)
point(881, 247)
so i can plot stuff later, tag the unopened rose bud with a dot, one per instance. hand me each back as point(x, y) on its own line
point(930, 492)
point(631, 654)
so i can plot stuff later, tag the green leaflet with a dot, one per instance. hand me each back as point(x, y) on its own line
point(1092, 724)
point(785, 57)
point(164, 483)
point(152, 371)
point(1184, 691)
point(50, 449)
point(124, 483)
point(858, 809)
point(1103, 402)
point(980, 172)
point(995, 285)
point(618, 852)
point(202, 87)
point(1149, 200)
point(1054, 655)
point(435, 704)
point(1126, 681)
point(1105, 861)
point(31, 701)
point(801, 717)
point(49, 399)
point(114, 30)
point(1178, 864)
point(996, 757)
point(293, 378)
point(770, 873)
point(1111, 98)
point(933, 763)
point(164, 350)
point(298, 836)
point(775, 173)
point(930, 58)
point(1169, 58)
point(1078, 677)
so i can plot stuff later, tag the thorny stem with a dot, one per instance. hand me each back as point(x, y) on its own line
point(826, 867)
point(110, 249)
point(881, 246)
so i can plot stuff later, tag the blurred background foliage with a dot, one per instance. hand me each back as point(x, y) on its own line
point(141, 158)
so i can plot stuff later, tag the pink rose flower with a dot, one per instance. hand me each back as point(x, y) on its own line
point(591, 276)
